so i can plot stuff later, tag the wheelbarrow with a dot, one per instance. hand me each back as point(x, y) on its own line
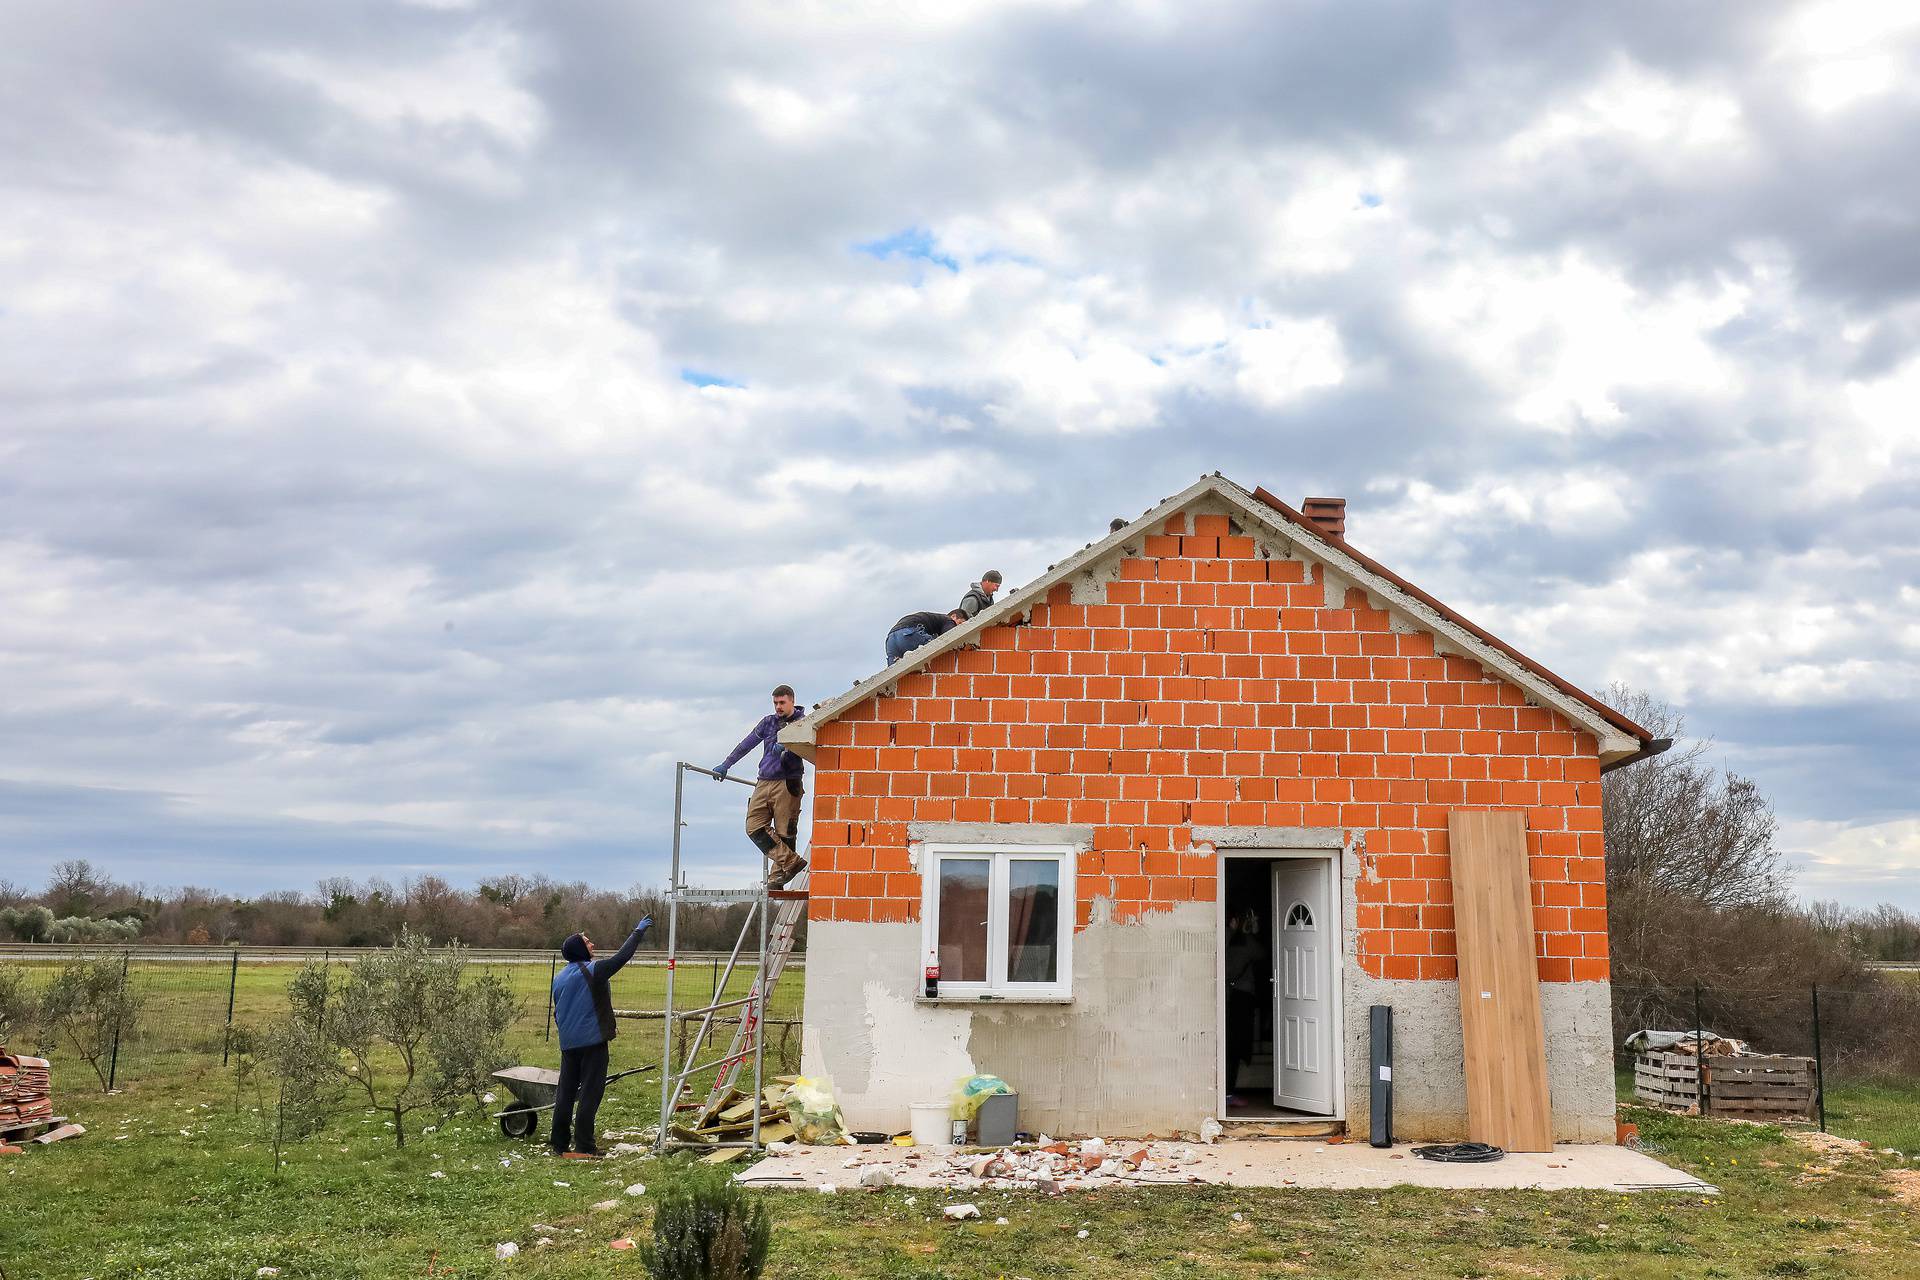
point(534, 1090)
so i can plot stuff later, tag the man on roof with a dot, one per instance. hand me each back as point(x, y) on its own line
point(917, 629)
point(980, 594)
point(773, 811)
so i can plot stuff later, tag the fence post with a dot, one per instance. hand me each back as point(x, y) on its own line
point(1701, 1092)
point(233, 980)
point(715, 997)
point(1819, 1063)
point(547, 1030)
point(113, 1067)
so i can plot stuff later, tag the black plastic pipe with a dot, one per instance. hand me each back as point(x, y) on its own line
point(1380, 1077)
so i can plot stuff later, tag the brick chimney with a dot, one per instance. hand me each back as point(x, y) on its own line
point(1329, 513)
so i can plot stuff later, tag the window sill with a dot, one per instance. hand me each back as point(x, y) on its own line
point(994, 999)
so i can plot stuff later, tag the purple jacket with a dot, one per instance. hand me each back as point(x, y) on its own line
point(775, 760)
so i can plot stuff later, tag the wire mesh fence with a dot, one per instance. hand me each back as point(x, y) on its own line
point(1850, 1038)
point(182, 1005)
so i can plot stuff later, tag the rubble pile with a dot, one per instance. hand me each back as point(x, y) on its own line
point(732, 1121)
point(1047, 1166)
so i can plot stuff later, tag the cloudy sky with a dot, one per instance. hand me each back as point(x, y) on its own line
point(420, 424)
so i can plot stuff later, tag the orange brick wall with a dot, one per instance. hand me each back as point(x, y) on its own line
point(1215, 688)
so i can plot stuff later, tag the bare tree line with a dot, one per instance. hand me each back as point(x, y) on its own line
point(80, 904)
point(1699, 899)
point(1697, 892)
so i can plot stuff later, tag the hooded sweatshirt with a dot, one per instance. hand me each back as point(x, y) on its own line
point(977, 599)
point(582, 1005)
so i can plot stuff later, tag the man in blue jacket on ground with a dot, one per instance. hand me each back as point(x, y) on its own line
point(583, 1015)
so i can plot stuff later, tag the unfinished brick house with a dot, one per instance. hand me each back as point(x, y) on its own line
point(1221, 711)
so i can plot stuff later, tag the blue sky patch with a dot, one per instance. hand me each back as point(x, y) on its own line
point(699, 379)
point(913, 242)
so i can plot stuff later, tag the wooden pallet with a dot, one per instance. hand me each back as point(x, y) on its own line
point(1761, 1087)
point(1749, 1087)
point(25, 1132)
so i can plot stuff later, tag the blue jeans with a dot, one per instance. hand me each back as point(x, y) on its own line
point(904, 640)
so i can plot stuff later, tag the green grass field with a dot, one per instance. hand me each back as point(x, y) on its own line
point(175, 1180)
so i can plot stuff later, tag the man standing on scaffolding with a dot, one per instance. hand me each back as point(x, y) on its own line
point(773, 813)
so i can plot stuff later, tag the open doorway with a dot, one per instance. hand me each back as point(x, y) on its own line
point(1279, 997)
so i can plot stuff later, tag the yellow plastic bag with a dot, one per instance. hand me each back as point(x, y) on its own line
point(971, 1091)
point(815, 1115)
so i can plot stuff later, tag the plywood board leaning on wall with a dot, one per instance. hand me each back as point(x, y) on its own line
point(1506, 1051)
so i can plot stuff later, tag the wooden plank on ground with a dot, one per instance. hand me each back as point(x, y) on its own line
point(1505, 1043)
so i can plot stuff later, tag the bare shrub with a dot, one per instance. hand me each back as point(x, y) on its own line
point(1697, 896)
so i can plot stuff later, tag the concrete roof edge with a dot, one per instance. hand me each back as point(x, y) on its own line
point(1617, 736)
point(800, 735)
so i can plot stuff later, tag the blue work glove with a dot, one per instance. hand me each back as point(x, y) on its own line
point(646, 923)
point(719, 773)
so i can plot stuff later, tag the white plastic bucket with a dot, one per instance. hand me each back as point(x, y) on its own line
point(931, 1123)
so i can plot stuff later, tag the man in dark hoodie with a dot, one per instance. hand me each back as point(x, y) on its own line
point(917, 629)
point(583, 1015)
point(980, 594)
point(773, 812)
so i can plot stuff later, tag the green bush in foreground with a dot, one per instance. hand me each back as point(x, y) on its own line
point(707, 1228)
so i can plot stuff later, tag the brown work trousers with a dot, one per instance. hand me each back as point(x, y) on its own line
point(775, 810)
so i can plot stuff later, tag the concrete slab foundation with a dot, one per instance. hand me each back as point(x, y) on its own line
point(1298, 1165)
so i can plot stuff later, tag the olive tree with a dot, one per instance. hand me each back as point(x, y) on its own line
point(17, 1005)
point(89, 1005)
point(29, 922)
point(408, 1026)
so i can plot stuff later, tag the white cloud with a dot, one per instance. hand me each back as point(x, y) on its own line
point(1283, 360)
point(1846, 51)
point(1567, 338)
point(1855, 863)
point(1673, 123)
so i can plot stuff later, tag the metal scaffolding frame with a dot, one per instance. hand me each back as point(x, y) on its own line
point(774, 934)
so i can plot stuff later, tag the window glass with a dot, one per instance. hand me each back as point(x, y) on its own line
point(1033, 920)
point(963, 919)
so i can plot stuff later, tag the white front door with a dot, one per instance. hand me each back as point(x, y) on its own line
point(1302, 986)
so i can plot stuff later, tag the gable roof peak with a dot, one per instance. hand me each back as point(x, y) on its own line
point(1317, 533)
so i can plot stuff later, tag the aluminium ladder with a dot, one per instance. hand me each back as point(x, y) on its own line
point(775, 915)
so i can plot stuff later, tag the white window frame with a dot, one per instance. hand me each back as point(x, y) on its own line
point(1000, 857)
